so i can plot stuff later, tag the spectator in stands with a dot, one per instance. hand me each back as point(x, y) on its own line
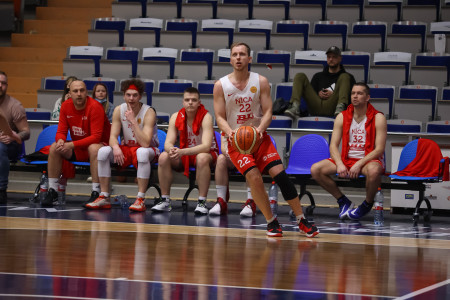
point(65, 96)
point(329, 91)
point(137, 121)
point(14, 129)
point(100, 93)
point(362, 130)
point(198, 147)
point(243, 98)
point(89, 129)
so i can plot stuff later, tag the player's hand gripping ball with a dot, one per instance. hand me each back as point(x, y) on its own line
point(246, 140)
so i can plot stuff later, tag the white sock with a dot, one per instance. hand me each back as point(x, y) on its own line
point(96, 187)
point(201, 199)
point(53, 183)
point(221, 191)
point(299, 218)
point(167, 197)
point(141, 195)
point(104, 194)
point(270, 221)
point(249, 193)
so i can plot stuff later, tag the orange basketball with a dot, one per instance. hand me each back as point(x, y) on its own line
point(246, 139)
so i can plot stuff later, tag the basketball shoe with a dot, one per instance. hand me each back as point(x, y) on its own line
point(138, 205)
point(94, 195)
point(163, 204)
point(360, 211)
point(201, 208)
point(309, 229)
point(220, 208)
point(50, 198)
point(344, 205)
point(274, 229)
point(101, 202)
point(249, 209)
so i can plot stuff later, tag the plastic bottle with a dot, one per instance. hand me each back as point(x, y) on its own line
point(378, 207)
point(43, 186)
point(124, 203)
point(273, 198)
point(62, 183)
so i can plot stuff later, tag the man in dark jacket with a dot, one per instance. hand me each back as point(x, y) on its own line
point(329, 91)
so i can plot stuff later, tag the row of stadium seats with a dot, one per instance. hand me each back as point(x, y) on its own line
point(416, 102)
point(383, 36)
point(278, 65)
point(392, 10)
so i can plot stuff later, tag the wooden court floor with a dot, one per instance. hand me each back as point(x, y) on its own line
point(70, 253)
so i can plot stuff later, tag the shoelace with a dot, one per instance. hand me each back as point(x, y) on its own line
point(140, 201)
point(201, 204)
point(100, 198)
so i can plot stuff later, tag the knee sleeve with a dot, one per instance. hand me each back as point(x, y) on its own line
point(104, 157)
point(144, 156)
point(287, 188)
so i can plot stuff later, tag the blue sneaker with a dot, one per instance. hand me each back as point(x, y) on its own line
point(344, 206)
point(359, 212)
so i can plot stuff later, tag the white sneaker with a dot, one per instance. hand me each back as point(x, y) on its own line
point(201, 208)
point(162, 205)
point(220, 208)
point(249, 209)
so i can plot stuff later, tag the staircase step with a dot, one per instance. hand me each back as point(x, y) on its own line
point(56, 26)
point(79, 3)
point(28, 85)
point(46, 40)
point(28, 100)
point(32, 54)
point(32, 69)
point(76, 14)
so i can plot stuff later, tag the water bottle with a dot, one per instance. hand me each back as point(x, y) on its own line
point(43, 186)
point(378, 207)
point(273, 198)
point(123, 199)
point(62, 183)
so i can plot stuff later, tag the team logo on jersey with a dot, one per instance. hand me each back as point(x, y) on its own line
point(253, 89)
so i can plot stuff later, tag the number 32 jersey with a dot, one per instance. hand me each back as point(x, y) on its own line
point(243, 107)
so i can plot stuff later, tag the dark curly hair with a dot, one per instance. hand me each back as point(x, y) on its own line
point(137, 82)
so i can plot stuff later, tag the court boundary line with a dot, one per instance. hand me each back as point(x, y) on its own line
point(424, 290)
point(88, 225)
point(192, 284)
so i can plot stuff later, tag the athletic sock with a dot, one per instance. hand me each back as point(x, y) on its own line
point(299, 218)
point(141, 195)
point(221, 191)
point(96, 187)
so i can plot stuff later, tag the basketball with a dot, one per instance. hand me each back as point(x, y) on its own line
point(246, 139)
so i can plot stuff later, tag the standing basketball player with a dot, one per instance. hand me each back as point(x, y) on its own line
point(243, 98)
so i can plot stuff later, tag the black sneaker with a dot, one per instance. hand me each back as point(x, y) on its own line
point(51, 197)
point(274, 229)
point(3, 197)
point(94, 196)
point(309, 229)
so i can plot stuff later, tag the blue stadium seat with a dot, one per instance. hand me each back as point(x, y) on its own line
point(109, 82)
point(310, 57)
point(220, 25)
point(53, 82)
point(396, 59)
point(178, 3)
point(189, 25)
point(384, 91)
point(436, 3)
point(322, 3)
point(357, 58)
point(411, 27)
point(199, 54)
point(275, 56)
point(402, 125)
point(205, 86)
point(117, 24)
point(124, 53)
point(148, 24)
point(87, 52)
point(285, 3)
point(372, 27)
point(174, 85)
point(263, 26)
point(421, 92)
point(333, 27)
point(438, 126)
point(295, 26)
point(212, 2)
point(161, 54)
point(360, 4)
point(143, 6)
point(434, 59)
point(397, 3)
point(249, 4)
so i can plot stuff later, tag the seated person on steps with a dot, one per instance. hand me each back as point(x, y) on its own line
point(198, 147)
point(89, 129)
point(137, 121)
point(329, 91)
point(362, 130)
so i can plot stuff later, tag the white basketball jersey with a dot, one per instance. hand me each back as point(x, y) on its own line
point(243, 107)
point(357, 141)
point(128, 134)
point(194, 140)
